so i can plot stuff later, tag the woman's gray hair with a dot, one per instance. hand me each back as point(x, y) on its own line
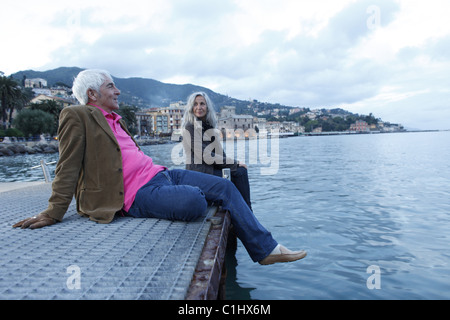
point(189, 116)
point(88, 79)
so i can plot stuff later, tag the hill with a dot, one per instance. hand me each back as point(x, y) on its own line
point(145, 93)
point(140, 92)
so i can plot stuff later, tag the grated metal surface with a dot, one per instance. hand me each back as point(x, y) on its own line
point(145, 259)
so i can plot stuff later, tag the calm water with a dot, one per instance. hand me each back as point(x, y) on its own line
point(352, 202)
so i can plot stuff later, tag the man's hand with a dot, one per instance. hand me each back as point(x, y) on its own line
point(39, 221)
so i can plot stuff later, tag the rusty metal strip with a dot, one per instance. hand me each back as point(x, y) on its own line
point(209, 274)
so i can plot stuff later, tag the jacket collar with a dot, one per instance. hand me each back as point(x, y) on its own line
point(100, 119)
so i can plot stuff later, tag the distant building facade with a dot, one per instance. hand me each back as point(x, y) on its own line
point(156, 121)
point(42, 97)
point(35, 83)
point(228, 119)
point(360, 126)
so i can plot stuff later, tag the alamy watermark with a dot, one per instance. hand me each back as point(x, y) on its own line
point(74, 280)
point(73, 22)
point(374, 281)
point(374, 20)
point(261, 149)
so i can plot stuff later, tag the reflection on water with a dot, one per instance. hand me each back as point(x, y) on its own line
point(352, 202)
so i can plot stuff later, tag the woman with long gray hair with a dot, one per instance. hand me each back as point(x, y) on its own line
point(201, 142)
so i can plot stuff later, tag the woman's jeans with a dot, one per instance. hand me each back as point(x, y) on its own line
point(240, 180)
point(184, 195)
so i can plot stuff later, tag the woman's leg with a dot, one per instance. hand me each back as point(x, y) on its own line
point(240, 180)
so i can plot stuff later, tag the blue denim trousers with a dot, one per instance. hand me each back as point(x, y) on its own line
point(184, 195)
point(240, 180)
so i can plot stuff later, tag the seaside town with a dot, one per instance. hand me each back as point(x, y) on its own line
point(164, 123)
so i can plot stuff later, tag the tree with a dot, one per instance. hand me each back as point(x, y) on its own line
point(13, 132)
point(311, 125)
point(34, 122)
point(51, 107)
point(9, 90)
point(129, 116)
point(22, 98)
point(370, 119)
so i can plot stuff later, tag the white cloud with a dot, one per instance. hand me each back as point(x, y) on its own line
point(388, 57)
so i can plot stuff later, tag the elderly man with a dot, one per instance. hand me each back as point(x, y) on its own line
point(102, 165)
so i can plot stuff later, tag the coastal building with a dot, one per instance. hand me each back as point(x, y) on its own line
point(62, 101)
point(151, 122)
point(156, 121)
point(296, 110)
point(42, 91)
point(273, 126)
point(292, 126)
point(144, 123)
point(35, 83)
point(175, 114)
point(229, 120)
point(392, 127)
point(61, 92)
point(260, 125)
point(317, 130)
point(161, 123)
point(360, 126)
point(311, 115)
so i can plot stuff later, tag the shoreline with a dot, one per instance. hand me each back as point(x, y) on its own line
point(8, 149)
point(15, 148)
point(40, 147)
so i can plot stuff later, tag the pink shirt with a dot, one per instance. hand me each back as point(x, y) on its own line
point(138, 169)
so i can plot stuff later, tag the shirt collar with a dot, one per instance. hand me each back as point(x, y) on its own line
point(114, 116)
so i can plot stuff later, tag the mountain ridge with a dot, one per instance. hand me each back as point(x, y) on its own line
point(146, 93)
point(137, 91)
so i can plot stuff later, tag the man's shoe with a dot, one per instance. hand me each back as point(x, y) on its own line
point(285, 255)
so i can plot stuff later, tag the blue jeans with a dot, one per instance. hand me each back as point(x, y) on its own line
point(184, 195)
point(240, 180)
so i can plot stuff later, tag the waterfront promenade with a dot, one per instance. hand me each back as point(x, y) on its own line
point(133, 259)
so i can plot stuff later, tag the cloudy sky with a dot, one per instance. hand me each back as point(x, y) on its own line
point(386, 57)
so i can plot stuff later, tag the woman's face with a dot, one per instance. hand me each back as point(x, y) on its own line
point(200, 108)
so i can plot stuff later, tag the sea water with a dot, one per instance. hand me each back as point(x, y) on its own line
point(371, 210)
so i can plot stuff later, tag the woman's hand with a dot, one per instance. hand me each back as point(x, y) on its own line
point(242, 165)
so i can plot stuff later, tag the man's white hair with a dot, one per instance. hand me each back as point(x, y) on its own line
point(88, 79)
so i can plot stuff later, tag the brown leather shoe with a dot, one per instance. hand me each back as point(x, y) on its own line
point(286, 255)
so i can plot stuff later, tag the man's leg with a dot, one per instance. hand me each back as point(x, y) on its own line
point(183, 195)
point(256, 239)
point(162, 199)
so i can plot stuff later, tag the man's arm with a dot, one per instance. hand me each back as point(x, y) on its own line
point(71, 135)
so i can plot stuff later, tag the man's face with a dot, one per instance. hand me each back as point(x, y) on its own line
point(107, 97)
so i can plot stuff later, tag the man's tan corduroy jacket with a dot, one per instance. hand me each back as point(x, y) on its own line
point(89, 166)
